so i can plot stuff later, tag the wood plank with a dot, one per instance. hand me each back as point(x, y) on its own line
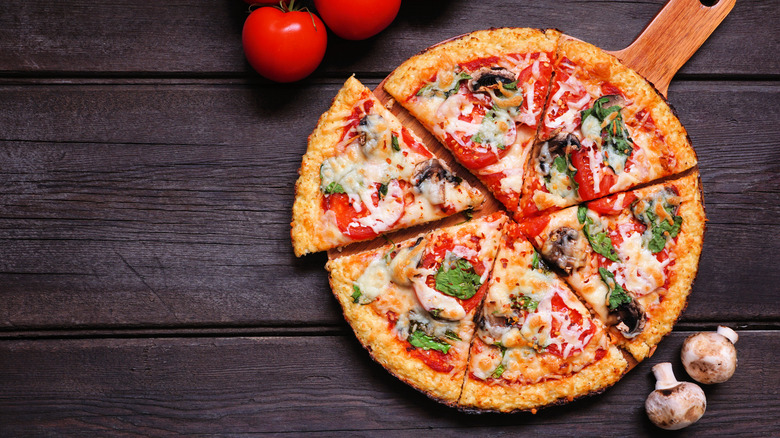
point(203, 37)
point(190, 224)
point(321, 385)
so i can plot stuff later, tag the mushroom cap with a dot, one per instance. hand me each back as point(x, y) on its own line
point(709, 357)
point(676, 407)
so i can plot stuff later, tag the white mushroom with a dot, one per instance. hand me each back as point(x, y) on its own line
point(710, 357)
point(674, 405)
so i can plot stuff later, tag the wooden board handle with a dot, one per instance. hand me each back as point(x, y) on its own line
point(671, 38)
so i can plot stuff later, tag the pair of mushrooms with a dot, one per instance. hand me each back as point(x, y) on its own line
point(708, 358)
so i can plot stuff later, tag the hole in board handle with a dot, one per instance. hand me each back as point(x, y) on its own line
point(709, 3)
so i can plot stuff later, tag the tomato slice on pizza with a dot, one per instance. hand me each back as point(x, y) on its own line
point(631, 256)
point(535, 343)
point(482, 100)
point(365, 174)
point(605, 130)
point(412, 304)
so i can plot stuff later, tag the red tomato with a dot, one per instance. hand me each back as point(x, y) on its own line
point(284, 46)
point(357, 19)
point(584, 177)
point(346, 214)
point(607, 205)
point(534, 226)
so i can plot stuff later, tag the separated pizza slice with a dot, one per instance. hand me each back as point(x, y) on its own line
point(535, 343)
point(412, 304)
point(631, 257)
point(605, 130)
point(482, 96)
point(365, 174)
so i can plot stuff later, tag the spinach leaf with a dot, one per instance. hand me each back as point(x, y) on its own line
point(419, 339)
point(525, 303)
point(432, 89)
point(334, 187)
point(396, 146)
point(356, 294)
point(599, 241)
point(617, 295)
point(458, 280)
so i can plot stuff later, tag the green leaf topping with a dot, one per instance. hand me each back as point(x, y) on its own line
point(599, 240)
point(458, 280)
point(659, 231)
point(582, 213)
point(617, 143)
point(561, 164)
point(432, 89)
point(500, 368)
point(449, 334)
point(617, 295)
point(525, 303)
point(383, 190)
point(435, 312)
point(333, 187)
point(419, 339)
point(356, 294)
point(510, 86)
point(396, 146)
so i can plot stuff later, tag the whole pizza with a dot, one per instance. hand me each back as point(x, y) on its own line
point(581, 226)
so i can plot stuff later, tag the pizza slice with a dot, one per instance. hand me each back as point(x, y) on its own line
point(605, 130)
point(631, 257)
point(365, 174)
point(535, 343)
point(412, 304)
point(482, 96)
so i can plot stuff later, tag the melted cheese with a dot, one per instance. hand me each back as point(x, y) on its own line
point(373, 281)
point(433, 300)
point(640, 271)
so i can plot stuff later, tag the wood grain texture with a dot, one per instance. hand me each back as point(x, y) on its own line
point(671, 38)
point(203, 37)
point(131, 205)
point(327, 384)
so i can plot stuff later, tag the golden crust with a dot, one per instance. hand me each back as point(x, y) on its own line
point(309, 231)
point(372, 330)
point(662, 318)
point(680, 155)
point(306, 226)
point(507, 397)
point(405, 80)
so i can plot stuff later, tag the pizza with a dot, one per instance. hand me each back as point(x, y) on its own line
point(365, 174)
point(412, 304)
point(605, 130)
point(535, 342)
point(482, 96)
point(630, 257)
point(557, 300)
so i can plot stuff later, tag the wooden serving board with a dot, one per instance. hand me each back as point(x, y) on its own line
point(660, 50)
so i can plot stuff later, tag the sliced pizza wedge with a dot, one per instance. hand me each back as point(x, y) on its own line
point(535, 343)
point(631, 257)
point(365, 174)
point(482, 96)
point(412, 304)
point(605, 130)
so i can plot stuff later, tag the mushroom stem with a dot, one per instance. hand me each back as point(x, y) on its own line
point(664, 376)
point(728, 333)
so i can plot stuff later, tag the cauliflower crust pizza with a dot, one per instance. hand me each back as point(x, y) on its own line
point(365, 174)
point(554, 301)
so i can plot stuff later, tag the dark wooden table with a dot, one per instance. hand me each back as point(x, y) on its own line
point(147, 281)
